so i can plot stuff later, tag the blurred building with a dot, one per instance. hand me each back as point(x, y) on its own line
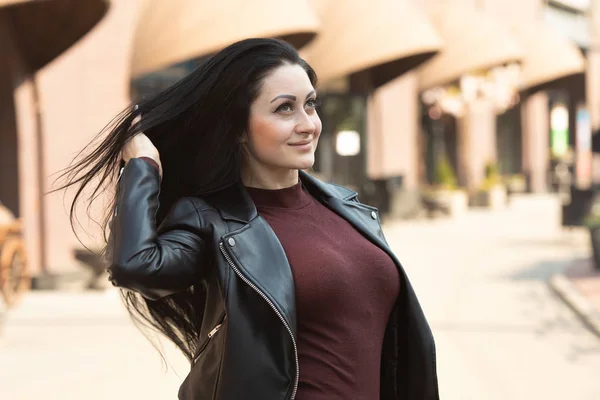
point(35, 81)
point(508, 128)
point(387, 70)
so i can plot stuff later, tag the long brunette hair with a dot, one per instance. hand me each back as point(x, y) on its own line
point(196, 125)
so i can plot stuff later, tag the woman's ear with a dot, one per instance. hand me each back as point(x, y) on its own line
point(244, 138)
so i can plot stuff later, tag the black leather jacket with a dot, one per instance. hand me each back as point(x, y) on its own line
point(249, 324)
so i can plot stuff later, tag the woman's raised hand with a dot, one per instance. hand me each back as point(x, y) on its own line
point(141, 146)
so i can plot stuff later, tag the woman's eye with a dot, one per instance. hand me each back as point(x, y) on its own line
point(313, 103)
point(285, 107)
point(289, 107)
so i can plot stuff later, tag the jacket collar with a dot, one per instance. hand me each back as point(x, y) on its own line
point(325, 191)
point(235, 204)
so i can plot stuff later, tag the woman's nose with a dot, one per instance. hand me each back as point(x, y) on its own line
point(305, 124)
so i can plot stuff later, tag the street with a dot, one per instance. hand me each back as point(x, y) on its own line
point(501, 333)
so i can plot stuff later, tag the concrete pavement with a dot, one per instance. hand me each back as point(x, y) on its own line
point(501, 333)
point(72, 346)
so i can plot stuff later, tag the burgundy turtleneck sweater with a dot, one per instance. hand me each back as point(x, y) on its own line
point(345, 290)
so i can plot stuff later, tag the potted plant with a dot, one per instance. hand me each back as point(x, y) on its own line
point(491, 193)
point(515, 184)
point(444, 195)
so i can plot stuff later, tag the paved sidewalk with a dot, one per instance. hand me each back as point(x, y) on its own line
point(82, 345)
point(579, 287)
point(501, 333)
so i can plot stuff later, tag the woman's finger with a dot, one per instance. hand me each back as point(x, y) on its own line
point(137, 119)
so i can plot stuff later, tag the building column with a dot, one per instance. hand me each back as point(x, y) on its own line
point(21, 110)
point(592, 92)
point(593, 67)
point(393, 141)
point(476, 141)
point(31, 193)
point(393, 129)
point(536, 140)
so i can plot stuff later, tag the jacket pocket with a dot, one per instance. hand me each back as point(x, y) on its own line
point(203, 378)
point(209, 339)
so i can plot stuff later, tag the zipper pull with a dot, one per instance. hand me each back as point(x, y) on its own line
point(120, 173)
point(118, 180)
point(214, 331)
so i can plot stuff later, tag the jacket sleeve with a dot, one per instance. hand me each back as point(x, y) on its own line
point(153, 262)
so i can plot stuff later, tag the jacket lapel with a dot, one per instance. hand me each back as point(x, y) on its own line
point(261, 259)
point(234, 204)
point(365, 219)
point(256, 252)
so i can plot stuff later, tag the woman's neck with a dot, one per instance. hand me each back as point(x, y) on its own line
point(271, 179)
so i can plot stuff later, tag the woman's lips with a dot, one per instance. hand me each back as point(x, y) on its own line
point(305, 145)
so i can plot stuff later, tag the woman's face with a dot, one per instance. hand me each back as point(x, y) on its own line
point(284, 127)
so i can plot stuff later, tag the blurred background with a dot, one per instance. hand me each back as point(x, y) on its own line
point(471, 124)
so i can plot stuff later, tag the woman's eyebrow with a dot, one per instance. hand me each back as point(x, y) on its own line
point(291, 97)
point(284, 96)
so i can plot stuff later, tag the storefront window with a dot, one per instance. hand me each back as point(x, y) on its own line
point(509, 141)
point(341, 156)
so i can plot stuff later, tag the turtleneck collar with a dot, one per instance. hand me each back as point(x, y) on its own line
point(293, 197)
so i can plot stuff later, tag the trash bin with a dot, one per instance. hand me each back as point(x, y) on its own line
point(579, 206)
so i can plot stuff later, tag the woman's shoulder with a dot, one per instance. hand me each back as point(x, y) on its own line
point(190, 212)
point(189, 205)
point(199, 204)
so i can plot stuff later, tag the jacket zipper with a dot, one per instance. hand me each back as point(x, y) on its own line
point(210, 335)
point(118, 180)
point(270, 303)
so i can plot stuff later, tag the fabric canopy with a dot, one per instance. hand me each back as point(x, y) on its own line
point(473, 41)
point(45, 29)
point(548, 56)
point(383, 39)
point(172, 31)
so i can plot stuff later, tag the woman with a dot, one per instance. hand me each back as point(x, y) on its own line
point(273, 284)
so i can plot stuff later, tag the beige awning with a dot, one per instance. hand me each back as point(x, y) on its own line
point(44, 29)
point(473, 41)
point(547, 56)
point(383, 38)
point(171, 31)
point(12, 2)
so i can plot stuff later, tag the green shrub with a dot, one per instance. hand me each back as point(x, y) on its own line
point(492, 176)
point(444, 174)
point(592, 220)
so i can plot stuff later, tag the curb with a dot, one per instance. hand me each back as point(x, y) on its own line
point(563, 287)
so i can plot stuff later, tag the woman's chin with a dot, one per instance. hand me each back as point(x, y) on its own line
point(305, 163)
